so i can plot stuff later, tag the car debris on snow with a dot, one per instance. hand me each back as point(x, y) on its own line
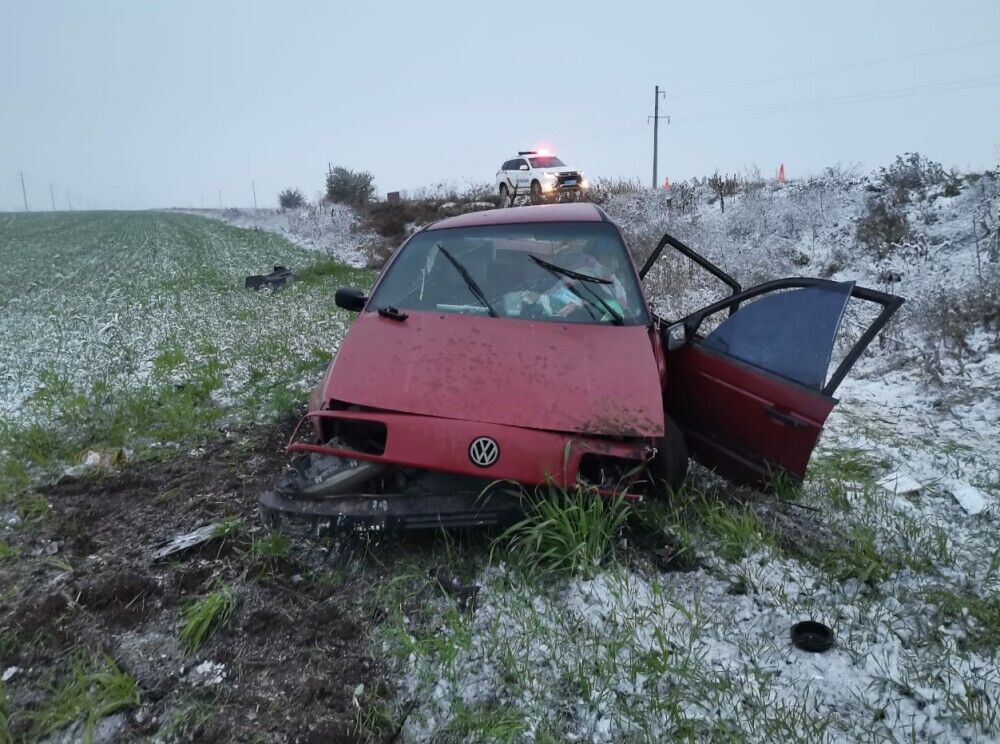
point(95, 458)
point(183, 543)
point(969, 497)
point(275, 280)
point(900, 484)
point(208, 673)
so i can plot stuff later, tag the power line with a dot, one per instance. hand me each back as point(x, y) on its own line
point(868, 97)
point(832, 70)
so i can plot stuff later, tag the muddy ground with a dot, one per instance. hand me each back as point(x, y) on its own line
point(285, 669)
point(295, 663)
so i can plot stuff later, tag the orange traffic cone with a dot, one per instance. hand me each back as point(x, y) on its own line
point(781, 173)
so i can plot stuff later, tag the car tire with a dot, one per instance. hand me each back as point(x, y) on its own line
point(504, 196)
point(536, 192)
point(670, 465)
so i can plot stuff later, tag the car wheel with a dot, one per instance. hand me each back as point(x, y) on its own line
point(536, 192)
point(669, 466)
point(504, 196)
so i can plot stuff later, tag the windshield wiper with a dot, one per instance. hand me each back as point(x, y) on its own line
point(476, 290)
point(568, 272)
point(616, 317)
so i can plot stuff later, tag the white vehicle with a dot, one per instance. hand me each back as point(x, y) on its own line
point(538, 173)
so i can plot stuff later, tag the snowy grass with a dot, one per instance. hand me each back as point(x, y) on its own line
point(695, 646)
point(134, 330)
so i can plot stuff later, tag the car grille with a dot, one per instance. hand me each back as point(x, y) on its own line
point(561, 178)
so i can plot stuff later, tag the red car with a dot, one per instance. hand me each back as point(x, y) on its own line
point(518, 345)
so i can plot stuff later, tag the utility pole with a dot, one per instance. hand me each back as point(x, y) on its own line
point(253, 189)
point(52, 193)
point(69, 200)
point(23, 192)
point(656, 128)
point(220, 200)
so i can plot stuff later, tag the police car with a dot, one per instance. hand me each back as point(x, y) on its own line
point(538, 173)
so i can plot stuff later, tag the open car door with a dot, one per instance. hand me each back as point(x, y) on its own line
point(752, 395)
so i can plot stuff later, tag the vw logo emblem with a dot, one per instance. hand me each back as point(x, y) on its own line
point(484, 451)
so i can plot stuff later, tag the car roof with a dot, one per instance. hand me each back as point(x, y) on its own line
point(579, 212)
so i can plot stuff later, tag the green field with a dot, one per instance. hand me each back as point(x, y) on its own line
point(594, 620)
point(131, 329)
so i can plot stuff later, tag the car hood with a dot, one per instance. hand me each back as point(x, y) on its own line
point(588, 379)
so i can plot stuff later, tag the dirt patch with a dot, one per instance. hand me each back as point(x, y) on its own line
point(285, 668)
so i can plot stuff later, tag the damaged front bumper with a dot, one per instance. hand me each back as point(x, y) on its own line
point(457, 473)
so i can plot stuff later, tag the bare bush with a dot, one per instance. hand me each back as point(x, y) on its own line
point(291, 199)
point(950, 317)
point(344, 186)
point(910, 173)
point(723, 186)
point(883, 228)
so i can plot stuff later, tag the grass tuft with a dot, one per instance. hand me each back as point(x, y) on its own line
point(858, 557)
point(205, 616)
point(980, 615)
point(5, 736)
point(8, 552)
point(93, 688)
point(568, 531)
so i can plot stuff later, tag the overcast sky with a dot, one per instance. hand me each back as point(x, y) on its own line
point(141, 104)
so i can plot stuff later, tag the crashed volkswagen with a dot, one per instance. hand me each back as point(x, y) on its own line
point(518, 346)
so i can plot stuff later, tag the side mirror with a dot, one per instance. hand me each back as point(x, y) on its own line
point(676, 336)
point(351, 299)
point(523, 166)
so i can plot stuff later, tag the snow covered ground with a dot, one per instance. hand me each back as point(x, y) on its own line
point(107, 305)
point(907, 475)
point(332, 229)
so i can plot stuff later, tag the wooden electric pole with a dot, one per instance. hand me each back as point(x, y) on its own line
point(24, 193)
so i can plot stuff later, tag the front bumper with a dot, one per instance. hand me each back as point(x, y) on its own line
point(527, 456)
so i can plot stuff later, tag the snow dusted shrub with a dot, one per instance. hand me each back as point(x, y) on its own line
point(911, 172)
point(952, 317)
point(291, 199)
point(883, 228)
point(345, 186)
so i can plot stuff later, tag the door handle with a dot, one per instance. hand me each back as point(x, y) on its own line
point(785, 419)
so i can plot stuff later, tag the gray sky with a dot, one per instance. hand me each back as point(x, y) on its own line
point(143, 104)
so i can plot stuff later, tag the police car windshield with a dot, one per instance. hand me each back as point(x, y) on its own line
point(546, 161)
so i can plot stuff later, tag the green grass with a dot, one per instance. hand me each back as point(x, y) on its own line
point(858, 557)
point(978, 615)
point(92, 688)
point(8, 552)
point(205, 616)
point(5, 736)
point(146, 336)
point(570, 532)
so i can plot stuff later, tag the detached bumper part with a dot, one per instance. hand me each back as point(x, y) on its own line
point(333, 494)
point(378, 512)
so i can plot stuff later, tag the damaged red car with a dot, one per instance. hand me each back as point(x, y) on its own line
point(518, 346)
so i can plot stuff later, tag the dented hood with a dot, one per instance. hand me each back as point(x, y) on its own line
point(592, 379)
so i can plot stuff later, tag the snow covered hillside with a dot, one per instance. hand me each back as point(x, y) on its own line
point(893, 541)
point(333, 229)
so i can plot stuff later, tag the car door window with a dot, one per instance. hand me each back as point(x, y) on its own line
point(790, 333)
